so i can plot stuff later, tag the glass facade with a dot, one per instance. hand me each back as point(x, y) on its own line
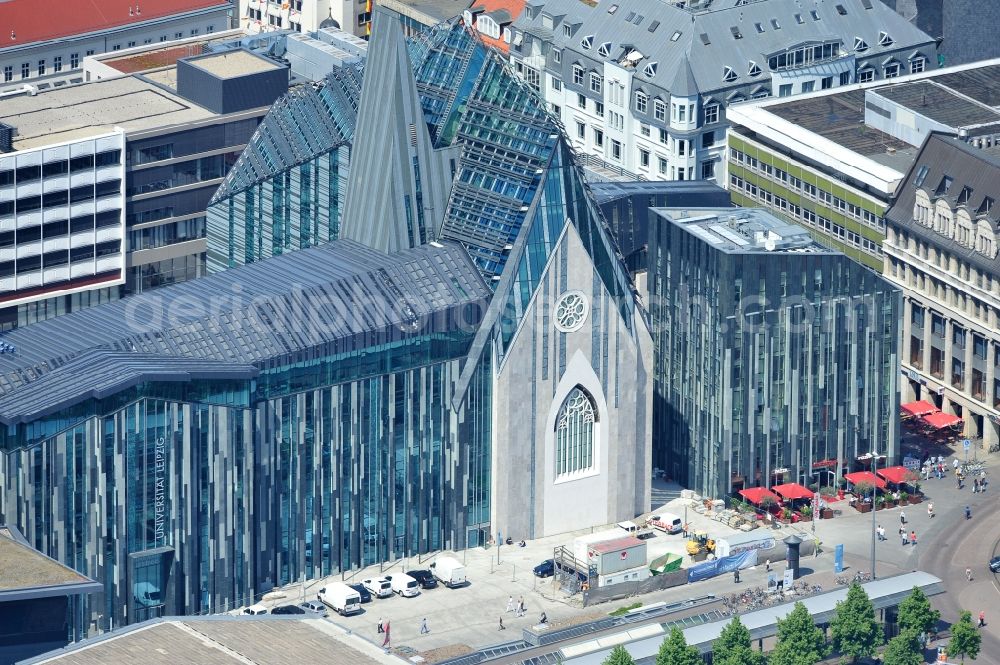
point(768, 363)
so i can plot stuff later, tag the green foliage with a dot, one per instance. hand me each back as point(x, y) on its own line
point(619, 656)
point(622, 611)
point(904, 649)
point(733, 646)
point(800, 642)
point(856, 633)
point(675, 651)
point(965, 638)
point(916, 613)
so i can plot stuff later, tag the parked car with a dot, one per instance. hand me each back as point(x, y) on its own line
point(995, 564)
point(288, 609)
point(424, 577)
point(341, 598)
point(365, 596)
point(449, 572)
point(546, 568)
point(315, 607)
point(378, 586)
point(255, 610)
point(403, 585)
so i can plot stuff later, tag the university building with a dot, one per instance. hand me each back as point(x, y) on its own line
point(478, 363)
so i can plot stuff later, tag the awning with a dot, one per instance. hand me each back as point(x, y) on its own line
point(939, 420)
point(792, 491)
point(825, 464)
point(865, 477)
point(756, 494)
point(919, 408)
point(894, 474)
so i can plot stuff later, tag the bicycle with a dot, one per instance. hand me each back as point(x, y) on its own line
point(995, 448)
point(843, 580)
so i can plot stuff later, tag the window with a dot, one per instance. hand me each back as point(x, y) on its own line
point(785, 90)
point(711, 114)
point(57, 63)
point(661, 165)
point(659, 110)
point(866, 75)
point(753, 69)
point(845, 78)
point(641, 101)
point(577, 74)
point(8, 73)
point(211, 28)
point(131, 45)
point(575, 425)
point(581, 130)
point(556, 85)
point(531, 77)
point(664, 137)
point(556, 56)
point(643, 158)
point(599, 138)
point(708, 139)
point(826, 83)
point(644, 129)
point(596, 82)
point(587, 42)
point(25, 70)
point(708, 170)
point(178, 35)
point(194, 31)
point(567, 30)
point(604, 49)
point(581, 101)
point(90, 51)
point(729, 75)
point(599, 109)
point(884, 39)
point(860, 45)
point(616, 150)
point(41, 67)
point(892, 70)
point(917, 65)
point(116, 47)
point(74, 60)
point(807, 86)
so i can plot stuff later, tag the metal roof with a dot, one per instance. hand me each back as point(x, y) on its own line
point(708, 38)
point(341, 297)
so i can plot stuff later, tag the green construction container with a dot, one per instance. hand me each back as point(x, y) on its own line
point(665, 564)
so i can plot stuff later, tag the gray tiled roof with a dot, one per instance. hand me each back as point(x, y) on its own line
point(707, 38)
point(341, 296)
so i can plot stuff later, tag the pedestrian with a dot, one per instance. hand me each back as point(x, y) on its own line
point(881, 532)
point(510, 604)
point(543, 619)
point(975, 485)
point(913, 538)
point(423, 626)
point(502, 627)
point(904, 537)
point(968, 513)
point(520, 607)
point(982, 618)
point(736, 576)
point(381, 627)
point(955, 464)
point(902, 517)
point(930, 509)
point(968, 574)
point(385, 642)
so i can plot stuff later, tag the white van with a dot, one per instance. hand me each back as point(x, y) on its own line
point(255, 610)
point(341, 598)
point(403, 585)
point(667, 522)
point(378, 586)
point(449, 572)
point(629, 527)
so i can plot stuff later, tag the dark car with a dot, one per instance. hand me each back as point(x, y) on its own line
point(995, 564)
point(288, 609)
point(546, 568)
point(424, 578)
point(366, 597)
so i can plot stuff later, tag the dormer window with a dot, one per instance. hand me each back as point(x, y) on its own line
point(759, 27)
point(884, 39)
point(814, 14)
point(604, 49)
point(775, 24)
point(612, 9)
point(729, 75)
point(650, 70)
point(567, 30)
point(860, 45)
point(985, 206)
point(587, 42)
point(964, 196)
point(753, 69)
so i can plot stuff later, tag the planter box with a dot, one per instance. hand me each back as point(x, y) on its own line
point(916, 499)
point(803, 518)
point(826, 514)
point(863, 507)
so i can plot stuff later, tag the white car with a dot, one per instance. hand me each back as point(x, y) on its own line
point(378, 586)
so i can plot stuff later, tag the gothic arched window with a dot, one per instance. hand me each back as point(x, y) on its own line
point(575, 425)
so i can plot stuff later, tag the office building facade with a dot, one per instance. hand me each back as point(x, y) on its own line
point(646, 87)
point(941, 250)
point(305, 16)
point(49, 53)
point(776, 358)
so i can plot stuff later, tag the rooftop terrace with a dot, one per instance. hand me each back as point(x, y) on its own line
point(743, 231)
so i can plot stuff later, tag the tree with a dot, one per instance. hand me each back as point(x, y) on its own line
point(904, 649)
point(675, 651)
point(733, 646)
point(965, 639)
point(856, 633)
point(916, 613)
point(800, 642)
point(619, 656)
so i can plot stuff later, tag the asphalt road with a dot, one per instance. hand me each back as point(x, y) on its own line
point(963, 544)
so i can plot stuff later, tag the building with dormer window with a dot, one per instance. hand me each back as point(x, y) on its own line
point(709, 53)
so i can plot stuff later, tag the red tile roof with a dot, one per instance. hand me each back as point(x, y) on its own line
point(606, 546)
point(25, 21)
point(513, 9)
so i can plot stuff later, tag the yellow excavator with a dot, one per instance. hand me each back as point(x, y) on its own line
point(699, 546)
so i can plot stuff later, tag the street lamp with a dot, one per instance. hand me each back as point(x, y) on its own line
point(874, 489)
